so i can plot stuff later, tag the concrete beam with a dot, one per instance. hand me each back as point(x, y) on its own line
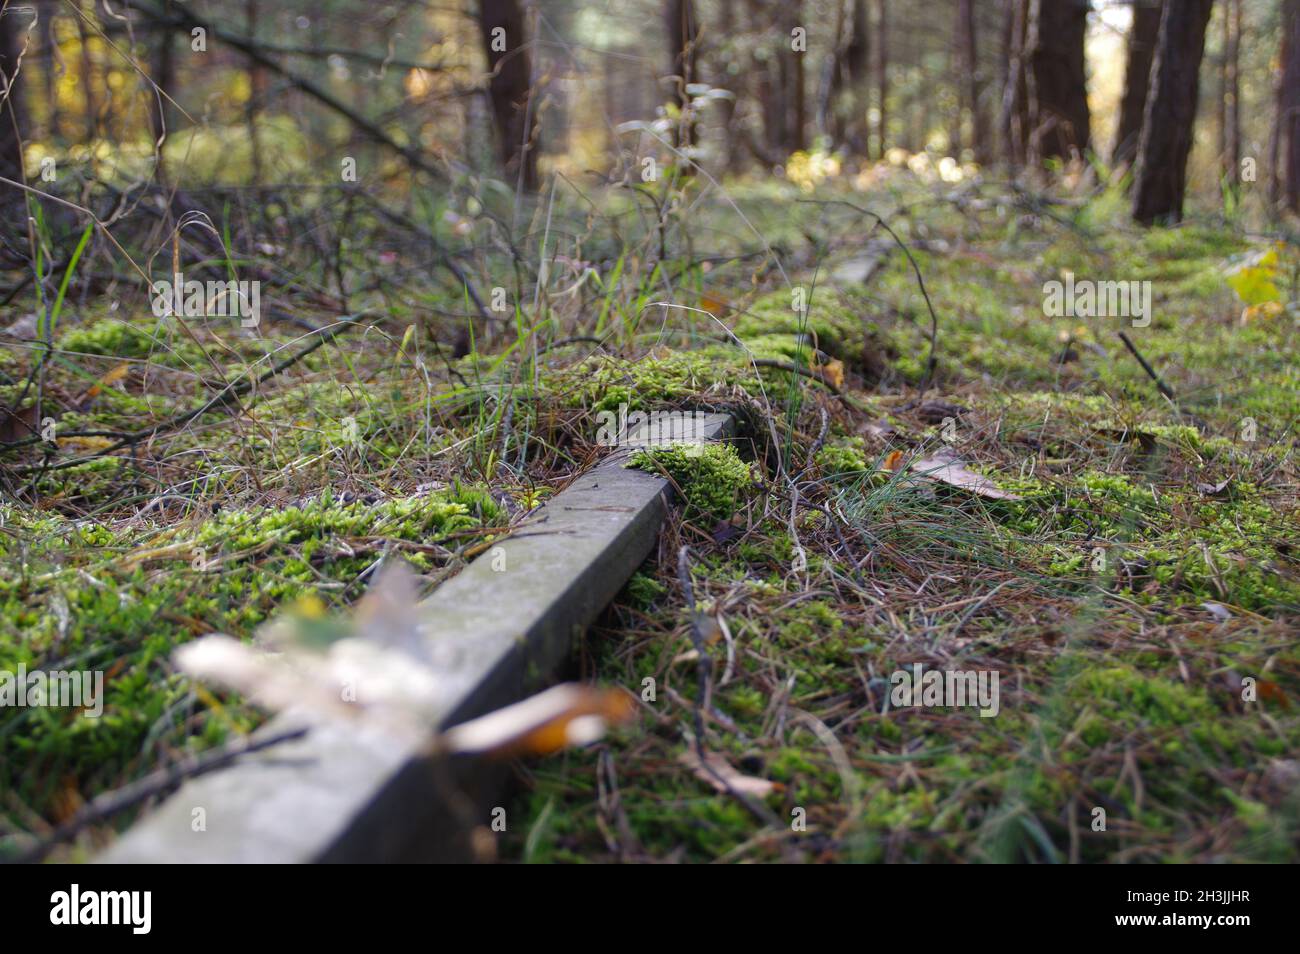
point(350, 793)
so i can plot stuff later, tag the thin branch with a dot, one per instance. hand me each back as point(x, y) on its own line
point(1164, 388)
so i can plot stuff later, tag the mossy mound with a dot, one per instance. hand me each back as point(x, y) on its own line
point(712, 478)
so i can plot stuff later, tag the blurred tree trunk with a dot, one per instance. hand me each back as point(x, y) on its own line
point(1058, 102)
point(49, 64)
point(843, 111)
point(858, 67)
point(1015, 89)
point(1229, 95)
point(1142, 38)
point(1221, 99)
point(974, 81)
point(256, 93)
point(1289, 104)
point(505, 43)
point(762, 67)
point(1168, 123)
point(1234, 111)
point(13, 31)
point(826, 113)
point(911, 109)
point(921, 102)
point(882, 77)
point(771, 106)
point(792, 79)
point(727, 106)
point(163, 73)
point(956, 66)
point(683, 49)
point(87, 77)
point(163, 70)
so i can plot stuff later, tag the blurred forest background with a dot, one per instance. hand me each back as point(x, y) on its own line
point(251, 92)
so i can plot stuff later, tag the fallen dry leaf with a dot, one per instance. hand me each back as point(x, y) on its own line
point(832, 371)
point(24, 327)
point(725, 531)
point(114, 374)
point(270, 681)
point(1217, 610)
point(946, 469)
point(714, 304)
point(1273, 693)
point(719, 773)
point(560, 717)
point(877, 429)
point(86, 443)
point(368, 666)
point(1264, 311)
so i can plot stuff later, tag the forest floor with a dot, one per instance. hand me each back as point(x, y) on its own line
point(1125, 562)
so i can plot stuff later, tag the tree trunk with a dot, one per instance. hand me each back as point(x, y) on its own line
point(727, 106)
point(793, 80)
point(772, 106)
point(846, 91)
point(974, 82)
point(501, 24)
point(956, 66)
point(256, 95)
point(13, 32)
point(163, 70)
point(920, 106)
point(87, 78)
point(882, 77)
point(49, 64)
point(1221, 103)
point(770, 102)
point(164, 77)
point(683, 50)
point(1229, 96)
point(1059, 95)
point(1234, 91)
point(1015, 89)
point(1142, 38)
point(1279, 110)
point(765, 60)
point(1289, 104)
point(1170, 117)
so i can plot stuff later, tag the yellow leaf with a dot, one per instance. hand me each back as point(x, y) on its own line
point(85, 443)
point(1253, 279)
point(309, 606)
point(115, 374)
point(833, 371)
point(1264, 311)
point(714, 304)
